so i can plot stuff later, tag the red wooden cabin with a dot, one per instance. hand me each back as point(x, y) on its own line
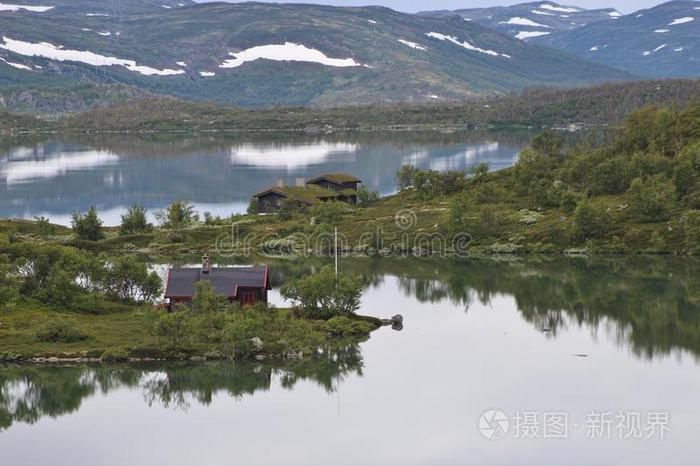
point(246, 285)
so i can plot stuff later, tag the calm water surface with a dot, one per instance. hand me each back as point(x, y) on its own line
point(574, 336)
point(220, 174)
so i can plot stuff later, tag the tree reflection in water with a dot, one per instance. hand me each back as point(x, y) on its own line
point(28, 393)
point(651, 305)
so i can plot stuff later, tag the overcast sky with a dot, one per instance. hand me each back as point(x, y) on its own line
point(625, 6)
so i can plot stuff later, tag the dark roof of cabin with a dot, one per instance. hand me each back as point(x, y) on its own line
point(336, 178)
point(307, 194)
point(225, 280)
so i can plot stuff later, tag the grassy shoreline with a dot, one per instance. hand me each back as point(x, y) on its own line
point(124, 334)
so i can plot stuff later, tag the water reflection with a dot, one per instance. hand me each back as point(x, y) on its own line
point(649, 304)
point(292, 157)
point(55, 177)
point(652, 304)
point(28, 394)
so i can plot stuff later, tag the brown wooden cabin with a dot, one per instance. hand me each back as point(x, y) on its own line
point(333, 187)
point(336, 182)
point(246, 285)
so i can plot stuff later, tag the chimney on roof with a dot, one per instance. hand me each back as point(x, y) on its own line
point(280, 183)
point(206, 265)
point(301, 182)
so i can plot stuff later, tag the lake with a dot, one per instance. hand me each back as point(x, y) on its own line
point(219, 174)
point(547, 361)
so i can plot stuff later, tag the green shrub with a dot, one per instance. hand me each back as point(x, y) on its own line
point(329, 213)
point(172, 326)
point(569, 200)
point(44, 226)
point(323, 295)
point(135, 221)
point(529, 217)
point(488, 193)
point(345, 326)
point(9, 285)
point(692, 231)
point(649, 199)
point(178, 215)
point(405, 177)
point(87, 226)
point(365, 196)
point(59, 332)
point(591, 221)
point(126, 278)
point(290, 208)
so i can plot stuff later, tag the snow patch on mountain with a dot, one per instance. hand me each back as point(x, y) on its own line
point(662, 31)
point(684, 20)
point(15, 65)
point(523, 22)
point(649, 52)
point(207, 74)
point(34, 9)
point(559, 9)
point(413, 45)
point(522, 35)
point(180, 63)
point(465, 44)
point(543, 13)
point(285, 52)
point(615, 14)
point(58, 53)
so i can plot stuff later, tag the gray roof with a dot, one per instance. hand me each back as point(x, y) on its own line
point(226, 280)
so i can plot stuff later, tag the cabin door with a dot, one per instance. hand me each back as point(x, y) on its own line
point(248, 298)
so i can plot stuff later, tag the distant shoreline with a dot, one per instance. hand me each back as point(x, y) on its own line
point(595, 106)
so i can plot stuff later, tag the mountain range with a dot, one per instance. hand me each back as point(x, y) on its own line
point(658, 42)
point(81, 53)
point(534, 19)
